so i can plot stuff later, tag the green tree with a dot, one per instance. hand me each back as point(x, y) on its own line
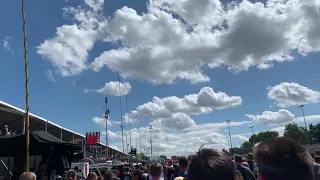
point(262, 136)
point(225, 151)
point(314, 132)
point(297, 133)
point(246, 147)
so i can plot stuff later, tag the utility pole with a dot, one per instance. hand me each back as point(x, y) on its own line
point(228, 122)
point(106, 116)
point(137, 142)
point(128, 122)
point(228, 144)
point(140, 143)
point(121, 126)
point(150, 127)
point(251, 127)
point(305, 123)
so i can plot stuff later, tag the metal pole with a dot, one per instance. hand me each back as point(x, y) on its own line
point(121, 126)
point(228, 122)
point(129, 124)
point(251, 129)
point(27, 126)
point(150, 127)
point(305, 123)
point(140, 142)
point(106, 116)
point(229, 144)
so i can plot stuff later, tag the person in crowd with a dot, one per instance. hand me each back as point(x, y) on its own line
point(245, 172)
point(250, 161)
point(170, 163)
point(40, 171)
point(245, 164)
point(114, 175)
point(28, 176)
point(155, 172)
point(71, 175)
point(170, 172)
point(92, 176)
point(126, 173)
point(108, 175)
point(137, 175)
point(238, 175)
point(182, 171)
point(317, 153)
point(5, 131)
point(210, 164)
point(282, 158)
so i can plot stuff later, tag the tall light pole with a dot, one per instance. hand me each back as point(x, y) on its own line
point(305, 122)
point(122, 122)
point(228, 144)
point(129, 122)
point(150, 127)
point(106, 116)
point(251, 127)
point(228, 122)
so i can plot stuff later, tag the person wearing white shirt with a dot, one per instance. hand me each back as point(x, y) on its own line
point(155, 172)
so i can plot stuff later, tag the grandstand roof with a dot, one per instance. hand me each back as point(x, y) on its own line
point(14, 118)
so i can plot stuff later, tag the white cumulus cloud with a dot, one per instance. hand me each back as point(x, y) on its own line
point(292, 94)
point(279, 129)
point(174, 111)
point(69, 49)
point(177, 39)
point(112, 88)
point(269, 117)
point(185, 142)
point(101, 121)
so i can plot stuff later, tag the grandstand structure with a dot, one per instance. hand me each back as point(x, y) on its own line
point(13, 117)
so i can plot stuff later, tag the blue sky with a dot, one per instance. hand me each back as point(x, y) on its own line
point(205, 61)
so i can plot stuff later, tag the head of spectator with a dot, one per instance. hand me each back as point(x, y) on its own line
point(137, 175)
point(170, 171)
point(249, 157)
point(92, 176)
point(28, 176)
point(114, 173)
point(5, 130)
point(245, 164)
point(183, 164)
point(126, 170)
point(283, 158)
point(155, 171)
point(71, 175)
point(108, 175)
point(238, 160)
point(211, 164)
point(238, 175)
point(317, 153)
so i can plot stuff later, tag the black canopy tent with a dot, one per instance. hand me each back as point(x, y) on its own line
point(41, 142)
point(55, 152)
